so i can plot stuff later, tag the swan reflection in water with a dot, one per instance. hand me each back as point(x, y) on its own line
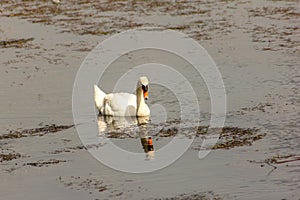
point(128, 126)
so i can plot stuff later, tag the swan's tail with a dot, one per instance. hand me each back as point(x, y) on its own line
point(99, 96)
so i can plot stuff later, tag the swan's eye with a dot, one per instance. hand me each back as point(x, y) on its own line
point(145, 88)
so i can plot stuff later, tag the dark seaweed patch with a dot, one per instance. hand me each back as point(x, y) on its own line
point(231, 137)
point(53, 128)
point(16, 43)
point(78, 183)
point(9, 156)
point(119, 135)
point(228, 137)
point(194, 196)
point(68, 149)
point(42, 163)
point(275, 12)
point(276, 160)
point(169, 132)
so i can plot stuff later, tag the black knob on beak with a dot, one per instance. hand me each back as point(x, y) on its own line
point(145, 88)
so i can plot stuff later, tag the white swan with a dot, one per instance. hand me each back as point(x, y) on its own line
point(123, 104)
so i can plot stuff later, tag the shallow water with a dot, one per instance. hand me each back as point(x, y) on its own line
point(256, 50)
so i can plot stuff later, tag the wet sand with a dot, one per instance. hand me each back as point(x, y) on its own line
point(256, 46)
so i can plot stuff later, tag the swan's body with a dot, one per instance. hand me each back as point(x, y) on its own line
point(123, 104)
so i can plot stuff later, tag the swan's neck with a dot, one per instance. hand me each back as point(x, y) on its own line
point(140, 102)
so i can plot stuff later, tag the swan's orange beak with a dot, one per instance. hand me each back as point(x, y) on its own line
point(146, 95)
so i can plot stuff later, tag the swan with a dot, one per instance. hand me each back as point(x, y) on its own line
point(124, 104)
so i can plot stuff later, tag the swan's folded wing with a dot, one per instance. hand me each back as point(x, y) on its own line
point(121, 104)
point(99, 96)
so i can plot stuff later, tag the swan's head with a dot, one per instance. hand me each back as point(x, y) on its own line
point(143, 83)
